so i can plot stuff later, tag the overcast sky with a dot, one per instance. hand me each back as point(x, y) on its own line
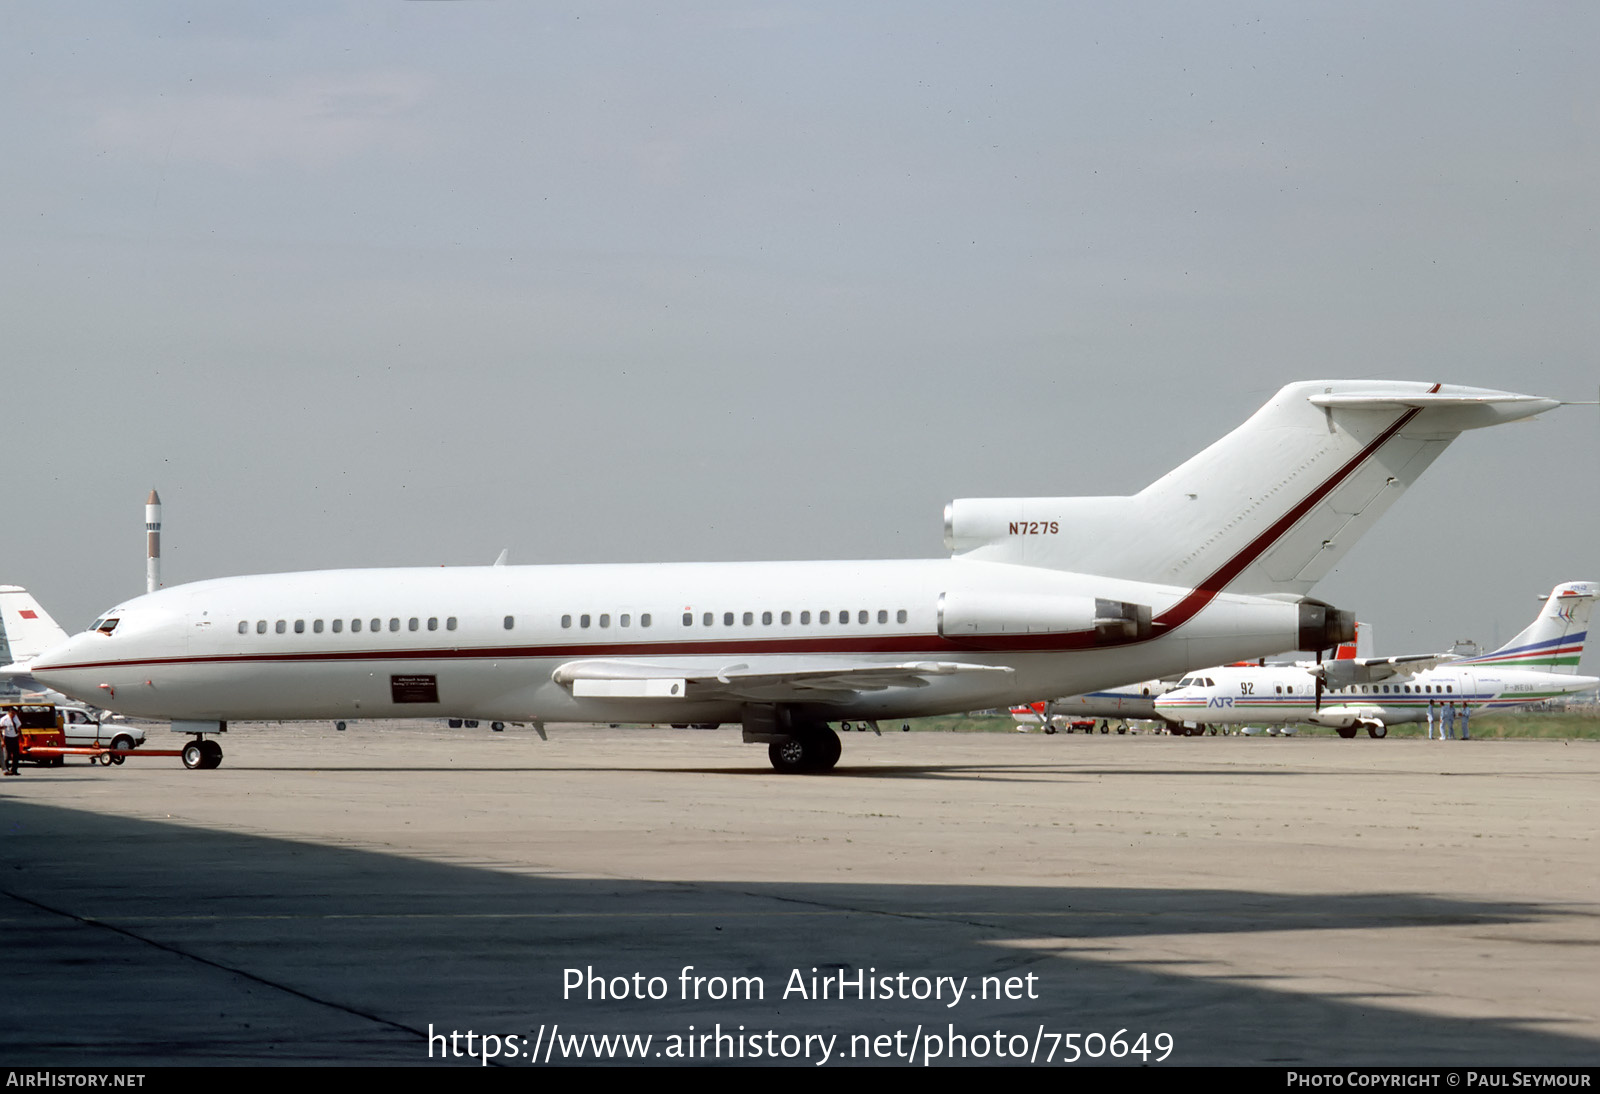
point(387, 284)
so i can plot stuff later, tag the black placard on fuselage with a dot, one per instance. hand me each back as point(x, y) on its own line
point(414, 689)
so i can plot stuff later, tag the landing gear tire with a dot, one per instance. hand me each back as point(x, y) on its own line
point(1122, 729)
point(193, 758)
point(498, 727)
point(806, 753)
point(1347, 732)
point(1377, 733)
point(339, 726)
point(1050, 729)
point(212, 753)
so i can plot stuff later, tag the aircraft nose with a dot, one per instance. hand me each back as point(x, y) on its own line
point(51, 658)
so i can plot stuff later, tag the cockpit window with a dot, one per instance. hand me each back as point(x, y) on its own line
point(106, 626)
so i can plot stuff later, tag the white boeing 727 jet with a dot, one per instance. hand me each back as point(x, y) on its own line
point(1375, 693)
point(1042, 596)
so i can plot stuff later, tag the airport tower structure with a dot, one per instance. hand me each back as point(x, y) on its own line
point(152, 537)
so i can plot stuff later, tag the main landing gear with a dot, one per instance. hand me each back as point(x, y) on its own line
point(201, 755)
point(816, 749)
point(796, 744)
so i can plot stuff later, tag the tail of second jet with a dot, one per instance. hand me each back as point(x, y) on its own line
point(1555, 641)
point(28, 629)
point(1269, 508)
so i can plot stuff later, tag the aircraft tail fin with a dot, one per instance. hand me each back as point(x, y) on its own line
point(28, 628)
point(1361, 646)
point(1554, 643)
point(1269, 508)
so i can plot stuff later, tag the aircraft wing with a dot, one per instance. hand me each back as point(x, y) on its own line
point(756, 679)
point(1365, 670)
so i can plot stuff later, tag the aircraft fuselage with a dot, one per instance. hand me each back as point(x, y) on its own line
point(486, 641)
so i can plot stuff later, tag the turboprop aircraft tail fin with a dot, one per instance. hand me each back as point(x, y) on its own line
point(1270, 508)
point(1554, 643)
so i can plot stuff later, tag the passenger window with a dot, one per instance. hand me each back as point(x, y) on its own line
point(511, 621)
point(861, 618)
point(583, 621)
point(784, 618)
point(605, 619)
point(450, 623)
point(644, 620)
point(706, 619)
point(883, 616)
point(727, 619)
point(394, 623)
point(433, 622)
point(244, 625)
point(900, 616)
point(844, 619)
point(376, 625)
point(355, 626)
point(688, 619)
point(566, 621)
point(299, 626)
point(822, 618)
point(805, 619)
point(749, 618)
point(766, 619)
point(316, 627)
point(280, 626)
point(338, 626)
point(413, 623)
point(625, 620)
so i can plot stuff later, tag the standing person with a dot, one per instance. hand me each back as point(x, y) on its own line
point(1448, 730)
point(1430, 719)
point(12, 729)
point(1466, 712)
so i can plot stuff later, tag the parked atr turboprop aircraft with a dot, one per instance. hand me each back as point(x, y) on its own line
point(1375, 693)
point(1135, 700)
point(1042, 596)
